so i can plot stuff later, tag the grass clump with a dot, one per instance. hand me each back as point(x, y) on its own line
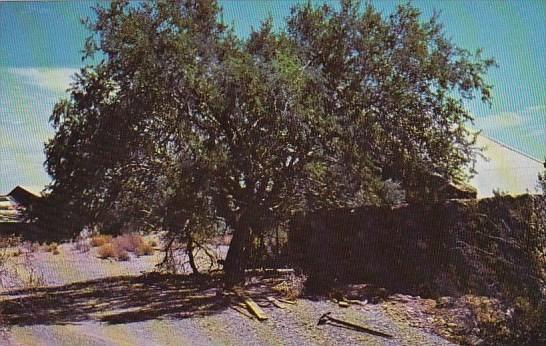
point(129, 242)
point(292, 287)
point(120, 246)
point(113, 250)
point(122, 255)
point(107, 251)
point(144, 249)
point(53, 247)
point(100, 240)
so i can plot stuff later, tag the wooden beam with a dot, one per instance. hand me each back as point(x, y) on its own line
point(276, 303)
point(255, 309)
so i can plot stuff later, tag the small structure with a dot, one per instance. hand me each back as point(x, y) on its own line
point(12, 208)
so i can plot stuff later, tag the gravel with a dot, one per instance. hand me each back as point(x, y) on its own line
point(295, 325)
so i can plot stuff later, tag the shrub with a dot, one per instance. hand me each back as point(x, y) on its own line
point(99, 240)
point(112, 250)
point(129, 242)
point(122, 255)
point(292, 287)
point(493, 247)
point(144, 249)
point(52, 248)
point(106, 251)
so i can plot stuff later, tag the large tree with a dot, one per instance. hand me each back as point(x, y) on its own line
point(396, 85)
point(183, 124)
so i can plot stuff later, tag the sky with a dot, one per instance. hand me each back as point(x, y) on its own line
point(41, 43)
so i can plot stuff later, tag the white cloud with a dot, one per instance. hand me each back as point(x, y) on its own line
point(27, 97)
point(55, 80)
point(535, 108)
point(500, 120)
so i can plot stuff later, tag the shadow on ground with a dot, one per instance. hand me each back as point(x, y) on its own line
point(121, 299)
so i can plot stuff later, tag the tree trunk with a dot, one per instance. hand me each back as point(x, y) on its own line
point(236, 259)
point(191, 258)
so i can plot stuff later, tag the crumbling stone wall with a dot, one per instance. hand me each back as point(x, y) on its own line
point(443, 248)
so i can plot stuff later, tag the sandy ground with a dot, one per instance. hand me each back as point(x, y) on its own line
point(85, 300)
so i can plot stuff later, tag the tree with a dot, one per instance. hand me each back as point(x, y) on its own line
point(184, 125)
point(542, 180)
point(397, 86)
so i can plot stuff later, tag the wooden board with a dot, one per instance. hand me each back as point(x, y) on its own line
point(255, 309)
point(276, 303)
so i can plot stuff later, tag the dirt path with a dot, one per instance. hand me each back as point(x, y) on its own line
point(89, 301)
point(296, 326)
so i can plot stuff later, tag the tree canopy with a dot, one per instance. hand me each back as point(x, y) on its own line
point(183, 124)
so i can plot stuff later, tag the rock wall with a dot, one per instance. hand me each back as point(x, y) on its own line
point(444, 248)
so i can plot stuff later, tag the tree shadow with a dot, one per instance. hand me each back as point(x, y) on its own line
point(121, 299)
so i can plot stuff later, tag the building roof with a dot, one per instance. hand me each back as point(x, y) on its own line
point(23, 196)
point(12, 204)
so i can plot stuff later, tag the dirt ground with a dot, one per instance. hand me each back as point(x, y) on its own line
point(83, 300)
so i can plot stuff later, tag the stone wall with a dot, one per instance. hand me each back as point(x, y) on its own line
point(444, 248)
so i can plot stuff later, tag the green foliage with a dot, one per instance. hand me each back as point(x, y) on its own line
point(542, 180)
point(395, 85)
point(184, 125)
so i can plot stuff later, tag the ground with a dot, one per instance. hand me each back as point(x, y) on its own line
point(80, 299)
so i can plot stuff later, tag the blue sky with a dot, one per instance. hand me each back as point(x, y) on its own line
point(40, 44)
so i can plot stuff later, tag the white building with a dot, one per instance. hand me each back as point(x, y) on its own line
point(507, 170)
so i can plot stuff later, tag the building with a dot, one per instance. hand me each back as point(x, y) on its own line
point(12, 207)
point(504, 169)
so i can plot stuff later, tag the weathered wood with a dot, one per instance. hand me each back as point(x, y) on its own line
point(325, 318)
point(255, 309)
point(291, 302)
point(356, 301)
point(270, 270)
point(242, 311)
point(276, 303)
point(343, 304)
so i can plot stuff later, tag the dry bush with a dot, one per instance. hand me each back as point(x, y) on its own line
point(5, 243)
point(100, 240)
point(112, 250)
point(53, 247)
point(129, 242)
point(18, 273)
point(120, 246)
point(479, 319)
point(144, 249)
point(122, 255)
point(292, 287)
point(106, 251)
